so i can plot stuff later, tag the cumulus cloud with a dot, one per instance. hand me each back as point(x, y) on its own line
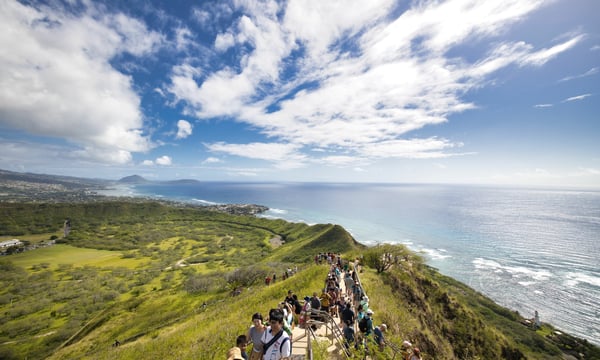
point(57, 79)
point(163, 160)
point(348, 78)
point(184, 129)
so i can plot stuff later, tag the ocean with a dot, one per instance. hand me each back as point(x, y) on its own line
point(526, 248)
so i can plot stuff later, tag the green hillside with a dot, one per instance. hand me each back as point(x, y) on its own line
point(161, 279)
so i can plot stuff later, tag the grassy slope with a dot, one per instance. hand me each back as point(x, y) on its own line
point(155, 318)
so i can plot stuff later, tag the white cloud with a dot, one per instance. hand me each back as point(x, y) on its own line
point(57, 79)
point(224, 41)
point(541, 106)
point(211, 160)
point(263, 151)
point(414, 148)
point(363, 80)
point(184, 129)
point(148, 163)
point(183, 38)
point(578, 97)
point(163, 160)
point(590, 72)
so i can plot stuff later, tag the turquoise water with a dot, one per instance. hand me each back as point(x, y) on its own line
point(528, 249)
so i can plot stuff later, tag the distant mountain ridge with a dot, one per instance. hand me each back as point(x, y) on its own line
point(67, 181)
point(132, 179)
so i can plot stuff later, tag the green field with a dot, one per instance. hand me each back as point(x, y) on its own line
point(59, 254)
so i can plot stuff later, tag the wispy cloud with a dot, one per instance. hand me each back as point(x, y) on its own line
point(542, 106)
point(211, 160)
point(590, 72)
point(577, 98)
point(350, 79)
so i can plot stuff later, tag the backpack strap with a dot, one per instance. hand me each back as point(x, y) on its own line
point(272, 341)
point(283, 342)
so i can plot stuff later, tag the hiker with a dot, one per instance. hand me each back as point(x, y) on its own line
point(239, 350)
point(290, 298)
point(379, 338)
point(267, 280)
point(348, 334)
point(365, 325)
point(406, 349)
point(287, 322)
point(360, 313)
point(348, 281)
point(241, 343)
point(347, 315)
point(365, 302)
point(326, 301)
point(305, 313)
point(276, 342)
point(315, 306)
point(416, 354)
point(255, 333)
point(297, 308)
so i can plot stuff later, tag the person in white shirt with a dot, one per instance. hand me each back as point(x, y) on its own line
point(276, 342)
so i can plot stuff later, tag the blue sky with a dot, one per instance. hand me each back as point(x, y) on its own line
point(456, 91)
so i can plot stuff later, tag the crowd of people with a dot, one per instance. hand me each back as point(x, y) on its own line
point(271, 338)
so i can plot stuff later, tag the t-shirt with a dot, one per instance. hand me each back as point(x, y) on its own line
point(349, 334)
point(256, 335)
point(273, 352)
point(348, 314)
point(378, 335)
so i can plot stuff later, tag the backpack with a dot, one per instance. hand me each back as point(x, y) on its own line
point(315, 303)
point(363, 324)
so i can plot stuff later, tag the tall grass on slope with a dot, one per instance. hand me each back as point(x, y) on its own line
point(207, 335)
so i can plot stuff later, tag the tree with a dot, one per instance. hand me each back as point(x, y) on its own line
point(382, 257)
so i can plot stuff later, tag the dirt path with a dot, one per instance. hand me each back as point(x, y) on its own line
point(276, 241)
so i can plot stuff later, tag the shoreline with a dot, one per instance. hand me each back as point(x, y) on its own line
point(125, 193)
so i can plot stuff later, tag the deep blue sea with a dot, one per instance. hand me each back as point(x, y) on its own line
point(527, 249)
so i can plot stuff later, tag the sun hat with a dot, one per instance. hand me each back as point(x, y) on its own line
point(370, 312)
point(234, 354)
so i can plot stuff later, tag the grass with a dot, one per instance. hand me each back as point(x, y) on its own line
point(65, 254)
point(72, 302)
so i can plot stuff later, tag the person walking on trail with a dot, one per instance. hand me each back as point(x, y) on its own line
point(276, 342)
point(347, 315)
point(416, 354)
point(349, 338)
point(379, 337)
point(255, 334)
point(305, 313)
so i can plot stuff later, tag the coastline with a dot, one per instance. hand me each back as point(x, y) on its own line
point(119, 192)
